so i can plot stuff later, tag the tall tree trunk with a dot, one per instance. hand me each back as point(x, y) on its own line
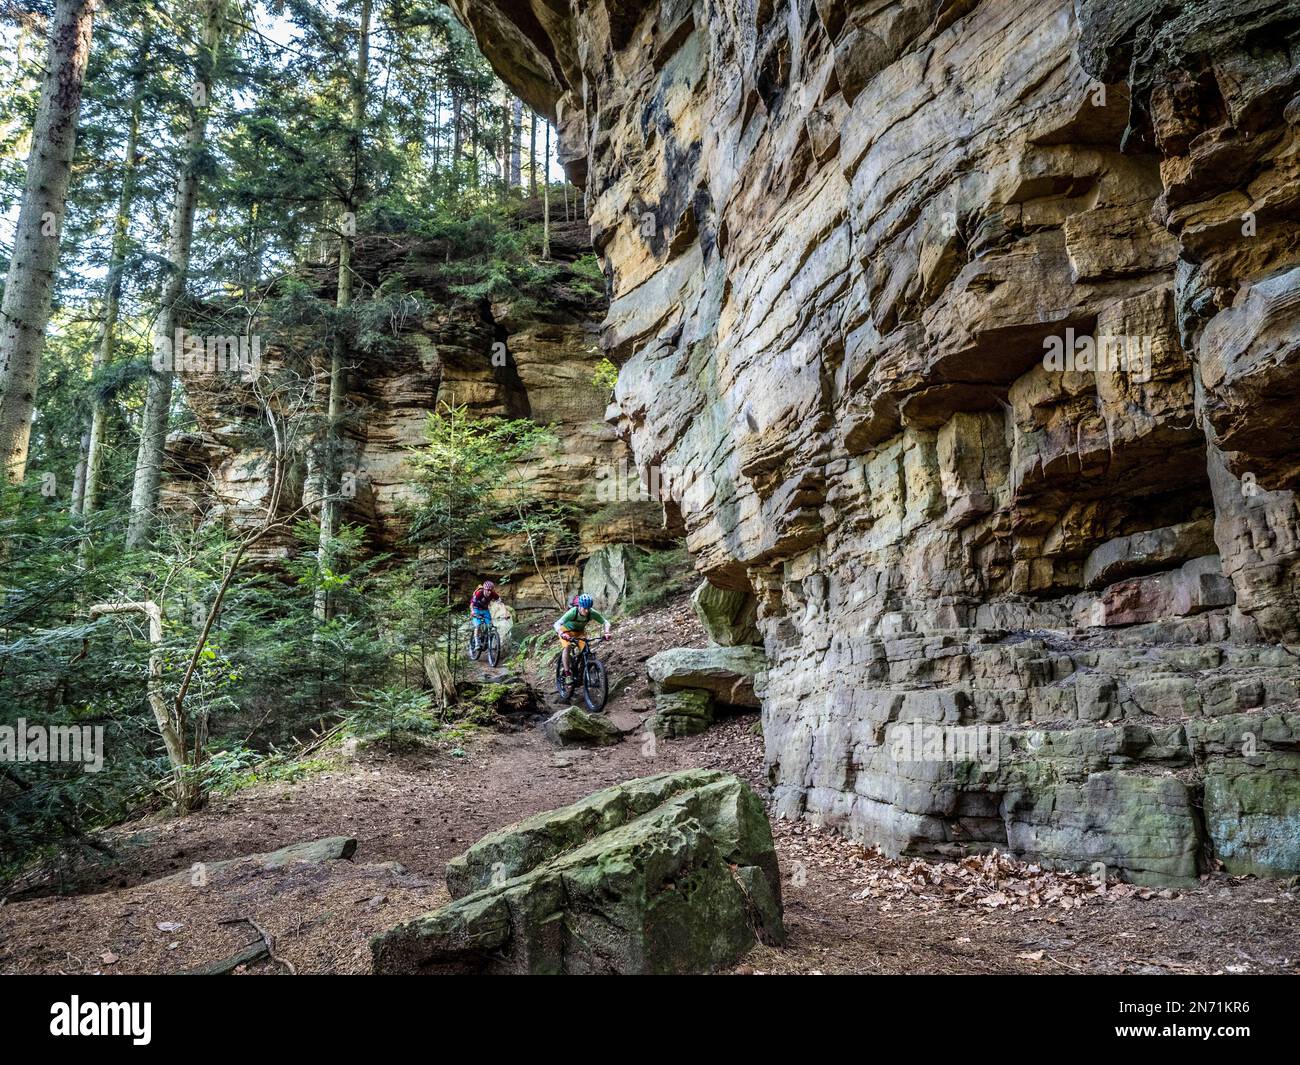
point(546, 200)
point(343, 299)
point(505, 144)
point(29, 285)
point(516, 142)
point(183, 789)
point(158, 401)
point(437, 131)
point(475, 175)
point(532, 156)
point(87, 499)
point(457, 105)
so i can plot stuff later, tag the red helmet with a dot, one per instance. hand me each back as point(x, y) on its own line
point(488, 586)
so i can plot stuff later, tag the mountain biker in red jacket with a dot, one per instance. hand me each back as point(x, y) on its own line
point(481, 601)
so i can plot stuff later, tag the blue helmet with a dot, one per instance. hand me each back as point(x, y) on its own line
point(585, 601)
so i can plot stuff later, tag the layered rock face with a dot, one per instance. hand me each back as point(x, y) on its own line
point(529, 358)
point(967, 331)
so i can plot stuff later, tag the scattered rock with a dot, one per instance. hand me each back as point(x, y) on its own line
point(312, 852)
point(574, 726)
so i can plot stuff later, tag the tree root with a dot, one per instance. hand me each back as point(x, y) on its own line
point(263, 948)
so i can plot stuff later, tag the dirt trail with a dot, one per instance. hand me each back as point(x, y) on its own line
point(846, 909)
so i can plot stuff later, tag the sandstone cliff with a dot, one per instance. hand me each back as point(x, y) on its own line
point(841, 236)
point(528, 357)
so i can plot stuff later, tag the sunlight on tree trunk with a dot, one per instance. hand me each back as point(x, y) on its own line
point(546, 200)
point(29, 284)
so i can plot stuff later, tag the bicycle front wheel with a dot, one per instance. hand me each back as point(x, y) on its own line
point(595, 685)
point(493, 647)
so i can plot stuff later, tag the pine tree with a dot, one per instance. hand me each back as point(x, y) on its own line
point(338, 356)
point(85, 495)
point(157, 410)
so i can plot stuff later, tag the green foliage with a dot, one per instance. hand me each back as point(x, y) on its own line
point(60, 668)
point(606, 375)
point(529, 647)
point(392, 710)
point(589, 279)
point(470, 492)
point(468, 478)
point(655, 577)
point(241, 767)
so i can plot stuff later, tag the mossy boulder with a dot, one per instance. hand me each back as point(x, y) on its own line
point(681, 713)
point(674, 873)
point(574, 727)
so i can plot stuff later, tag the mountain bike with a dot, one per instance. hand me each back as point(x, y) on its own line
point(585, 669)
point(484, 637)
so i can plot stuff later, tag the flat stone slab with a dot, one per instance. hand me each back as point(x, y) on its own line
point(725, 672)
point(311, 852)
point(1130, 556)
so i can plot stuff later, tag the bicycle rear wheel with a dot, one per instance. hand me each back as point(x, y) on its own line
point(475, 648)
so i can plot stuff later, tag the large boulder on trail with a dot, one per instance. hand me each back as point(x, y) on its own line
point(730, 618)
point(674, 873)
point(726, 672)
point(574, 727)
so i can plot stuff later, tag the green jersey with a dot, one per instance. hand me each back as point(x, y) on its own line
point(575, 622)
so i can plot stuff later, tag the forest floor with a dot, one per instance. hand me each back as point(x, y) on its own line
point(847, 909)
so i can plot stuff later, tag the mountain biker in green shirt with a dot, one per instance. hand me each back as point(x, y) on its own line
point(573, 626)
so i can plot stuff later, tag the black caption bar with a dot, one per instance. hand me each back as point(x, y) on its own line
point(146, 1015)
